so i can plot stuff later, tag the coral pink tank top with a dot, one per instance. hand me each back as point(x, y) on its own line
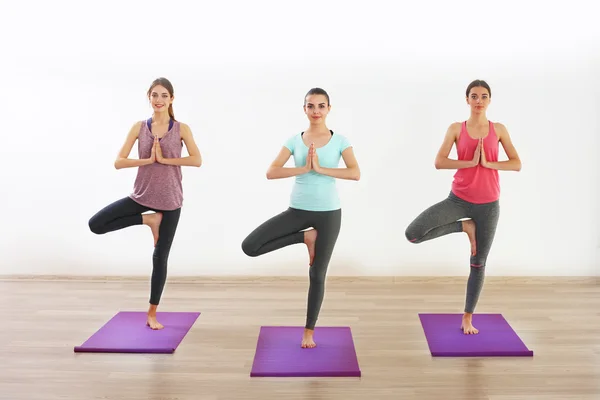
point(159, 186)
point(477, 184)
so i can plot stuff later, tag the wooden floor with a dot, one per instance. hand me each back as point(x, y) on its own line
point(42, 321)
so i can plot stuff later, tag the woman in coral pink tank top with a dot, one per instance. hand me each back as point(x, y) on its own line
point(158, 185)
point(473, 203)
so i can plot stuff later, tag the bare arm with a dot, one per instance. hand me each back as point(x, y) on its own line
point(278, 171)
point(194, 159)
point(443, 162)
point(514, 162)
point(122, 160)
point(351, 172)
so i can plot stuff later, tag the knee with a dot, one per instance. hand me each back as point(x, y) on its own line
point(411, 235)
point(478, 263)
point(95, 226)
point(160, 258)
point(249, 248)
point(478, 260)
point(317, 278)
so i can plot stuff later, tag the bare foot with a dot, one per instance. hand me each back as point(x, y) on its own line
point(153, 221)
point(469, 227)
point(153, 323)
point(310, 238)
point(151, 320)
point(307, 339)
point(467, 325)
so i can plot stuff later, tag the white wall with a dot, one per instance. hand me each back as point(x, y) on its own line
point(596, 114)
point(396, 74)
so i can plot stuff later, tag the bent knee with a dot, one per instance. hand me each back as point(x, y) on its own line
point(411, 235)
point(95, 226)
point(249, 248)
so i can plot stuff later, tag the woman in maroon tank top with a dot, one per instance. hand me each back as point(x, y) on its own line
point(158, 184)
point(473, 203)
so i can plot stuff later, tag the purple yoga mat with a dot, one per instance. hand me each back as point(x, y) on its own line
point(495, 338)
point(278, 353)
point(127, 332)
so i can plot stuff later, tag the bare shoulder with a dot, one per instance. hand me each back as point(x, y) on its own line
point(185, 129)
point(500, 129)
point(454, 130)
point(135, 128)
point(455, 126)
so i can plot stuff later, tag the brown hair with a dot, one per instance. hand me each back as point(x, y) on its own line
point(479, 83)
point(164, 82)
point(317, 91)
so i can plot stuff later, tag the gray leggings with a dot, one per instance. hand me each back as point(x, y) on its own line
point(287, 229)
point(442, 219)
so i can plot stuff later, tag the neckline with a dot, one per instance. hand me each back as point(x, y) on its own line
point(149, 129)
point(485, 137)
point(329, 141)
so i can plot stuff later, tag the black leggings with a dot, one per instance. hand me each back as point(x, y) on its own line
point(286, 229)
point(126, 212)
point(443, 218)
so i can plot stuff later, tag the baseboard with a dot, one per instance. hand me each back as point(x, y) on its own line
point(331, 279)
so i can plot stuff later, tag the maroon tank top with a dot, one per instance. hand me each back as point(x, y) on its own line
point(159, 186)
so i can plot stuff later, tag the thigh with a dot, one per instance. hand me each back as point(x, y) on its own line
point(486, 218)
point(285, 223)
point(124, 207)
point(444, 212)
point(328, 225)
point(168, 227)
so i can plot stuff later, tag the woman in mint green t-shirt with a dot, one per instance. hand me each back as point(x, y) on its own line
point(314, 201)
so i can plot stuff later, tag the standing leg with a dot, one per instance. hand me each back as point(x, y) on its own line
point(168, 227)
point(122, 214)
point(327, 224)
point(442, 219)
point(486, 218)
point(282, 230)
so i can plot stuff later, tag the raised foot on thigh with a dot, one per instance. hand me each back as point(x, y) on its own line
point(310, 238)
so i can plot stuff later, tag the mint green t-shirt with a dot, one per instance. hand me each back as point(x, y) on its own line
point(313, 191)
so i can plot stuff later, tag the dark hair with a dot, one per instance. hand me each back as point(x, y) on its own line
point(317, 91)
point(164, 82)
point(479, 83)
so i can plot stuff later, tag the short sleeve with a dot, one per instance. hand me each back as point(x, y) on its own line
point(291, 144)
point(344, 143)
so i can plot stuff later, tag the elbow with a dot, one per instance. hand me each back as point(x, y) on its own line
point(273, 172)
point(356, 175)
point(437, 163)
point(117, 164)
point(515, 164)
point(198, 162)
